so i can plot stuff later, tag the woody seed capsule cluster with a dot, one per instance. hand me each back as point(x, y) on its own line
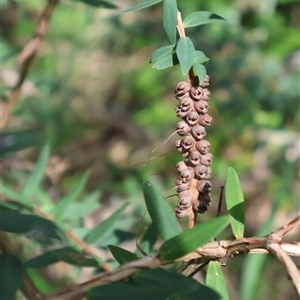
point(193, 186)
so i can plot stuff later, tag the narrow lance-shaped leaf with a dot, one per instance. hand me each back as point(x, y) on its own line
point(215, 279)
point(121, 255)
point(201, 18)
point(185, 51)
point(14, 141)
point(42, 229)
point(99, 3)
point(235, 202)
point(162, 215)
point(6, 191)
point(60, 208)
point(80, 209)
point(104, 227)
point(66, 254)
point(139, 6)
point(170, 19)
point(189, 240)
point(11, 275)
point(37, 175)
point(162, 51)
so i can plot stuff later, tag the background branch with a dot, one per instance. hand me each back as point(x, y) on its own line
point(26, 59)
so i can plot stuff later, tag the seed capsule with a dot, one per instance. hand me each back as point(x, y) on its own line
point(187, 143)
point(205, 120)
point(182, 88)
point(195, 158)
point(206, 159)
point(203, 146)
point(192, 118)
point(204, 186)
point(198, 132)
point(201, 107)
point(201, 172)
point(187, 175)
point(205, 94)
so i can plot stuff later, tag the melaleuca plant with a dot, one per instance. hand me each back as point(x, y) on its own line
point(166, 258)
point(193, 185)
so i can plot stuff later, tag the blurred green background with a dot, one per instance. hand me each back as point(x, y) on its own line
point(93, 97)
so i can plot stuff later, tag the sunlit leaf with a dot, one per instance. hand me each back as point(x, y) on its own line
point(139, 6)
point(121, 255)
point(162, 51)
point(99, 3)
point(104, 227)
point(201, 18)
point(11, 141)
point(185, 51)
point(66, 254)
point(235, 202)
point(189, 240)
point(200, 71)
point(170, 19)
point(162, 215)
point(215, 279)
point(60, 209)
point(37, 174)
point(11, 275)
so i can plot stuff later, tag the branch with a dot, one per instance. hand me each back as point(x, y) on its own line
point(26, 59)
point(193, 262)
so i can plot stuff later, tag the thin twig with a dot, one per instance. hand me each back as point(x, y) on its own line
point(288, 264)
point(282, 231)
point(26, 59)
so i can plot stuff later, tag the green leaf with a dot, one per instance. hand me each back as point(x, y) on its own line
point(235, 202)
point(60, 209)
point(121, 255)
point(200, 57)
point(161, 213)
point(201, 18)
point(149, 239)
point(185, 51)
point(37, 174)
point(40, 228)
point(11, 141)
point(139, 6)
point(166, 61)
point(99, 3)
point(189, 240)
point(66, 254)
point(215, 279)
point(158, 284)
point(11, 194)
point(200, 71)
point(162, 51)
point(78, 210)
point(170, 19)
point(104, 227)
point(11, 276)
